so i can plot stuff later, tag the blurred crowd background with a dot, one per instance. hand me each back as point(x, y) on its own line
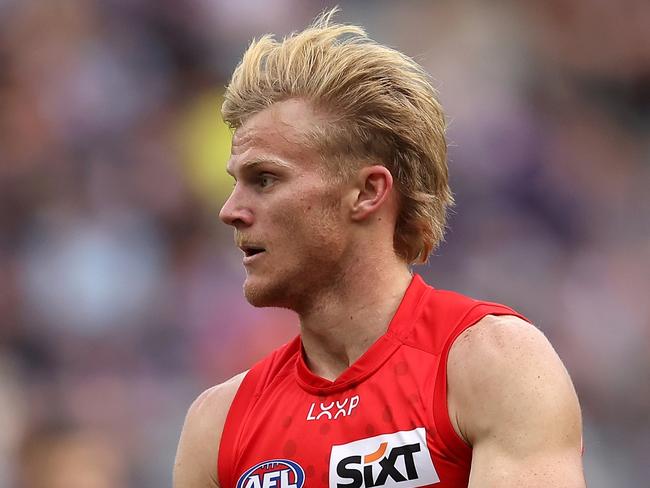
point(120, 290)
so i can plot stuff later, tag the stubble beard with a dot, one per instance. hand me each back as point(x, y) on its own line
point(293, 290)
point(265, 294)
point(295, 283)
point(298, 285)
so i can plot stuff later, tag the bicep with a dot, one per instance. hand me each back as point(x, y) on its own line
point(520, 410)
point(196, 459)
point(495, 467)
point(198, 448)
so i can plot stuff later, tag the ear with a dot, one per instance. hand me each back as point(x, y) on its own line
point(373, 186)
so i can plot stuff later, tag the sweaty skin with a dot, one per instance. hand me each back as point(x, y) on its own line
point(328, 255)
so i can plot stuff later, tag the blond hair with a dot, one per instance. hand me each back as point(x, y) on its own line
point(381, 106)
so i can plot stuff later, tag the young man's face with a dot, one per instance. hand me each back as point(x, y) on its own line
point(285, 209)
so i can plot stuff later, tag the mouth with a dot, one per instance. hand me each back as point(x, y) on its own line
point(251, 253)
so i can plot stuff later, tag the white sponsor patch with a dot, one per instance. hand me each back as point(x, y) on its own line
point(399, 460)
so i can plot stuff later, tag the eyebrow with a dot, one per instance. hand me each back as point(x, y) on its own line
point(251, 163)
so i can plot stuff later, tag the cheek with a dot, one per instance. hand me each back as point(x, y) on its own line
point(309, 222)
point(320, 229)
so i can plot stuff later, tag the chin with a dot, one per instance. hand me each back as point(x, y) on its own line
point(261, 294)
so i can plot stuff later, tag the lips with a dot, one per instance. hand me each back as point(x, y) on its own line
point(251, 252)
point(251, 259)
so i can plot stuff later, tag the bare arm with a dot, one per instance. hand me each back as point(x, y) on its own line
point(198, 448)
point(512, 400)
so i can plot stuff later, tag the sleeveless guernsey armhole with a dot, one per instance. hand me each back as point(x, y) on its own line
point(236, 416)
point(457, 445)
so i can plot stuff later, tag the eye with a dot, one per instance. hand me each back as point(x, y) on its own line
point(265, 180)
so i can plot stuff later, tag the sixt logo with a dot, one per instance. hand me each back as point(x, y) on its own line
point(277, 473)
point(399, 460)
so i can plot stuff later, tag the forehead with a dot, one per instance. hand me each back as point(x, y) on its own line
point(281, 130)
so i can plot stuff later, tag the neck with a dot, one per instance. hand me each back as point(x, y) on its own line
point(344, 321)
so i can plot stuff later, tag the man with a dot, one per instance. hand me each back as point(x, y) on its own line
point(339, 159)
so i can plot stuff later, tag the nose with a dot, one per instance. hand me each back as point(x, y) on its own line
point(235, 213)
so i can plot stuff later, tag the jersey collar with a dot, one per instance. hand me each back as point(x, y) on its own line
point(377, 354)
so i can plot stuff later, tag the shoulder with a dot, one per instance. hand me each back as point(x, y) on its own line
point(217, 397)
point(497, 341)
point(198, 448)
point(503, 375)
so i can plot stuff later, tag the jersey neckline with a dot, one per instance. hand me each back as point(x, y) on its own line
point(376, 355)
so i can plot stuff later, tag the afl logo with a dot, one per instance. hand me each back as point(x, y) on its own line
point(277, 473)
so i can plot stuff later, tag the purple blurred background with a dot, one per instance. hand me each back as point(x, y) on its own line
point(120, 291)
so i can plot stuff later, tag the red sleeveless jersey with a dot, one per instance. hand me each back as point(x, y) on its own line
point(382, 423)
